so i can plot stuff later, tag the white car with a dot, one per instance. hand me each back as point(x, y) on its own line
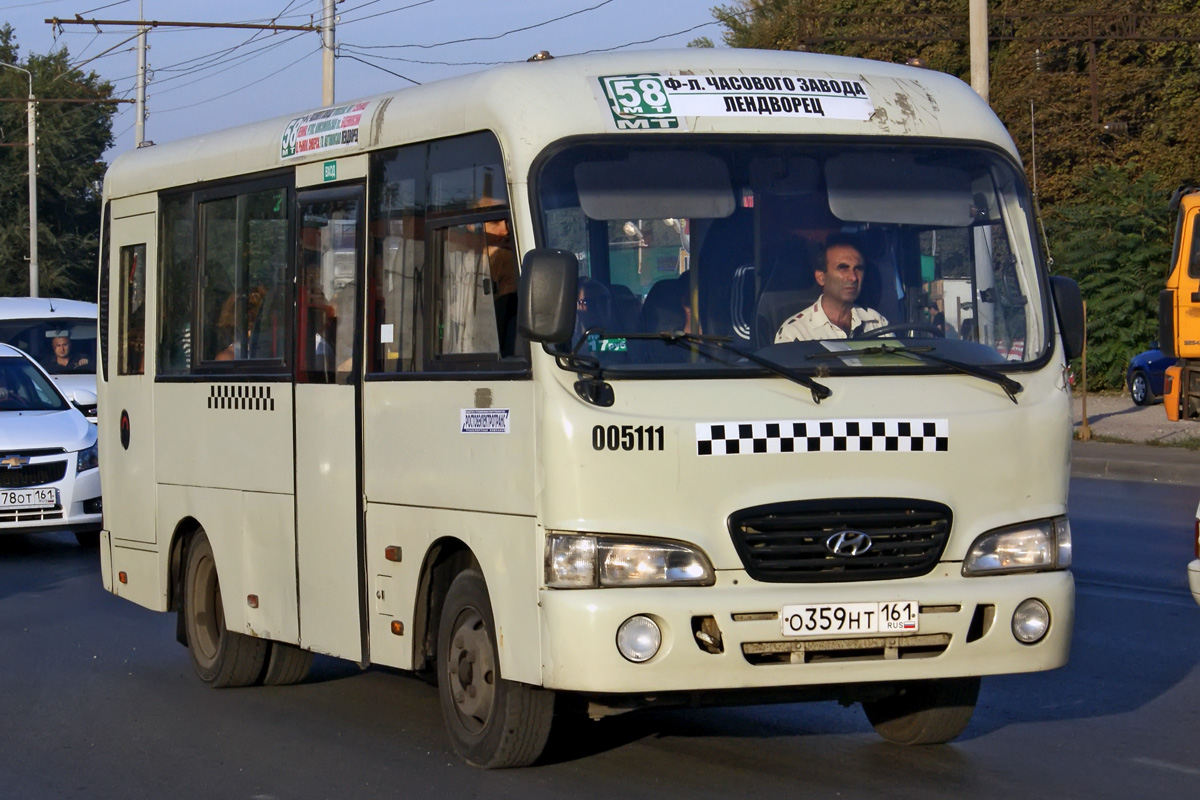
point(58, 334)
point(49, 476)
point(1194, 566)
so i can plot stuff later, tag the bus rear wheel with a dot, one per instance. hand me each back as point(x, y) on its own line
point(492, 722)
point(287, 664)
point(924, 712)
point(221, 657)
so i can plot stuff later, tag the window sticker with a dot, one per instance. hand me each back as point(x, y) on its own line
point(327, 129)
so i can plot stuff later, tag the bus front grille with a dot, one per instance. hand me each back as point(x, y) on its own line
point(798, 542)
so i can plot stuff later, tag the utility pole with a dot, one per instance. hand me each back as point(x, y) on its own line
point(31, 133)
point(978, 35)
point(327, 55)
point(143, 26)
point(139, 122)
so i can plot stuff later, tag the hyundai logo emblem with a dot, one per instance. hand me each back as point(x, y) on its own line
point(848, 543)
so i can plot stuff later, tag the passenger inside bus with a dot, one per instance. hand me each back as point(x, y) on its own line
point(502, 271)
point(226, 320)
point(593, 309)
point(836, 314)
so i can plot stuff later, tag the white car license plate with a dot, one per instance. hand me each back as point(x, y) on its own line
point(827, 619)
point(28, 498)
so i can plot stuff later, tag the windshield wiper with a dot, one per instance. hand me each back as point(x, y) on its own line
point(819, 390)
point(923, 353)
point(595, 390)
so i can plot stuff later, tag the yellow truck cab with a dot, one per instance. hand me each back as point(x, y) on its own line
point(1179, 311)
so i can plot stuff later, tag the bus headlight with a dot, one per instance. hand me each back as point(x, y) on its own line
point(585, 561)
point(1030, 547)
point(88, 458)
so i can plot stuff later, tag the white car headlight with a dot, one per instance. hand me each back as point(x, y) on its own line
point(89, 458)
point(585, 561)
point(1037, 546)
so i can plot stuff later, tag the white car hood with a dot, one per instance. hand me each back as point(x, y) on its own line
point(36, 430)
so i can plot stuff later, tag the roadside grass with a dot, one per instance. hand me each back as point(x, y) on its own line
point(1186, 442)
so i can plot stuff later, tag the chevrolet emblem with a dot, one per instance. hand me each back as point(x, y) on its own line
point(13, 462)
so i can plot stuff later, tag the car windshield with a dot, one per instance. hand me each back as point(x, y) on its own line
point(61, 346)
point(821, 256)
point(24, 388)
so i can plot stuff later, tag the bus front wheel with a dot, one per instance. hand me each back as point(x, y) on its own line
point(221, 657)
point(924, 712)
point(492, 722)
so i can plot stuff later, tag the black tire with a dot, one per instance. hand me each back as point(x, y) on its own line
point(88, 538)
point(1139, 389)
point(493, 723)
point(924, 712)
point(287, 664)
point(221, 657)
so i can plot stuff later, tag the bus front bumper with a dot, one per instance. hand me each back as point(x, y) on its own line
point(729, 636)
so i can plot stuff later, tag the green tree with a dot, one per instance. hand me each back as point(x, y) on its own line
point(1118, 246)
point(71, 139)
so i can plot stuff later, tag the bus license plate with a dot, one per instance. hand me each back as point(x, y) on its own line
point(28, 498)
point(900, 616)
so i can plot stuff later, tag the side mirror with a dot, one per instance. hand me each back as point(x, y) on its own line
point(82, 397)
point(1068, 303)
point(548, 292)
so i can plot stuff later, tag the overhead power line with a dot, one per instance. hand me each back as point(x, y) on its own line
point(143, 26)
point(148, 23)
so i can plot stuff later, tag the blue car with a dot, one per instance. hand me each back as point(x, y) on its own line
point(1145, 375)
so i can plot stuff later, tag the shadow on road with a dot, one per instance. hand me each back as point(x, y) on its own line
point(42, 561)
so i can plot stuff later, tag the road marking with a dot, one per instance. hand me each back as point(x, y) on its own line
point(1167, 765)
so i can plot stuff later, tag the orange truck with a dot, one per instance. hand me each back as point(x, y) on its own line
point(1179, 311)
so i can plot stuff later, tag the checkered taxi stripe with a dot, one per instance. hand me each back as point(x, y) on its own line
point(241, 397)
point(823, 436)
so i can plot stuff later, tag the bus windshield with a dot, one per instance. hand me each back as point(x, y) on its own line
point(806, 254)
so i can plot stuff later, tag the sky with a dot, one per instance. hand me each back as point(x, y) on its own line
point(203, 80)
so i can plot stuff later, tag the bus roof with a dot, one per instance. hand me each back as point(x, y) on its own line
point(535, 103)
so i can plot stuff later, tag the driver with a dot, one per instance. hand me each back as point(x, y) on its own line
point(834, 315)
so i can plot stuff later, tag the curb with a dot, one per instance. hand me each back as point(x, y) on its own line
point(1131, 462)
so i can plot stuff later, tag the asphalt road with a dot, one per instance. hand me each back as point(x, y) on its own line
point(98, 701)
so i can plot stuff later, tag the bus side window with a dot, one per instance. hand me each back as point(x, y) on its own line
point(175, 280)
point(397, 255)
point(132, 331)
point(443, 263)
point(244, 239)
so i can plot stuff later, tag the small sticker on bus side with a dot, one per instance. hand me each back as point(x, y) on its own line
point(484, 420)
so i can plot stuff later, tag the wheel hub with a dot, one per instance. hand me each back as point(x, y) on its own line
point(472, 671)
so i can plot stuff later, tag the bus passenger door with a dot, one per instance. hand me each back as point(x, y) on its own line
point(126, 416)
point(329, 514)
